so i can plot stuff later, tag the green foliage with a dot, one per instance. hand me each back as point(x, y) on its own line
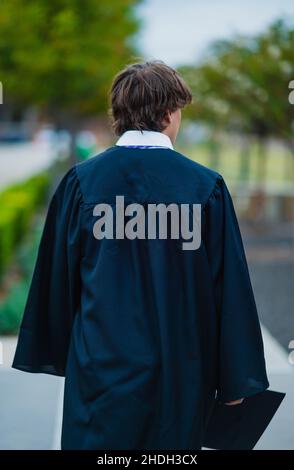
point(18, 205)
point(62, 54)
point(243, 85)
point(12, 308)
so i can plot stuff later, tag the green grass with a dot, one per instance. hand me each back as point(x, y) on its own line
point(278, 171)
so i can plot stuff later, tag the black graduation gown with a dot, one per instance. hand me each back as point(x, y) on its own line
point(144, 332)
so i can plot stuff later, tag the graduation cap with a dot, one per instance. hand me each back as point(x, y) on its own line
point(239, 427)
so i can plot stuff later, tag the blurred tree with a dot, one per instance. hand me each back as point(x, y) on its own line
point(62, 54)
point(244, 85)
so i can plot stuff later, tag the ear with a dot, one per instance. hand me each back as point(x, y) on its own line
point(167, 117)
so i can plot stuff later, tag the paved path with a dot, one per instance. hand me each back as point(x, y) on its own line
point(27, 410)
point(20, 161)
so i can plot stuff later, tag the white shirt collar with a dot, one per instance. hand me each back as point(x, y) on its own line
point(145, 137)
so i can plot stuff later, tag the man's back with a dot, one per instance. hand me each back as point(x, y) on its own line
point(142, 327)
point(147, 315)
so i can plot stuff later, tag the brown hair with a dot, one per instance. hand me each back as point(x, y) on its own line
point(142, 93)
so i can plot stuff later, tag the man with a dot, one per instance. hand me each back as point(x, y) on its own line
point(144, 331)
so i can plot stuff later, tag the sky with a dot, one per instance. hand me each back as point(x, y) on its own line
point(177, 31)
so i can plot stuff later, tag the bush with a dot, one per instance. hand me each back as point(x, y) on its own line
point(12, 307)
point(19, 203)
point(11, 310)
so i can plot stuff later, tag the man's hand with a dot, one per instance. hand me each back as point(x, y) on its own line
point(235, 402)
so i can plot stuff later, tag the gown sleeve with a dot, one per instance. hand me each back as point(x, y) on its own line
point(241, 361)
point(53, 296)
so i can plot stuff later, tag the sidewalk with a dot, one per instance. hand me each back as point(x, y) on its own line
point(31, 404)
point(279, 434)
point(21, 161)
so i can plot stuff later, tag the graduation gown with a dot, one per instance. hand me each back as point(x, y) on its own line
point(145, 333)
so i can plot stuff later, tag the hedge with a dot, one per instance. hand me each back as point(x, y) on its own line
point(12, 307)
point(18, 204)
